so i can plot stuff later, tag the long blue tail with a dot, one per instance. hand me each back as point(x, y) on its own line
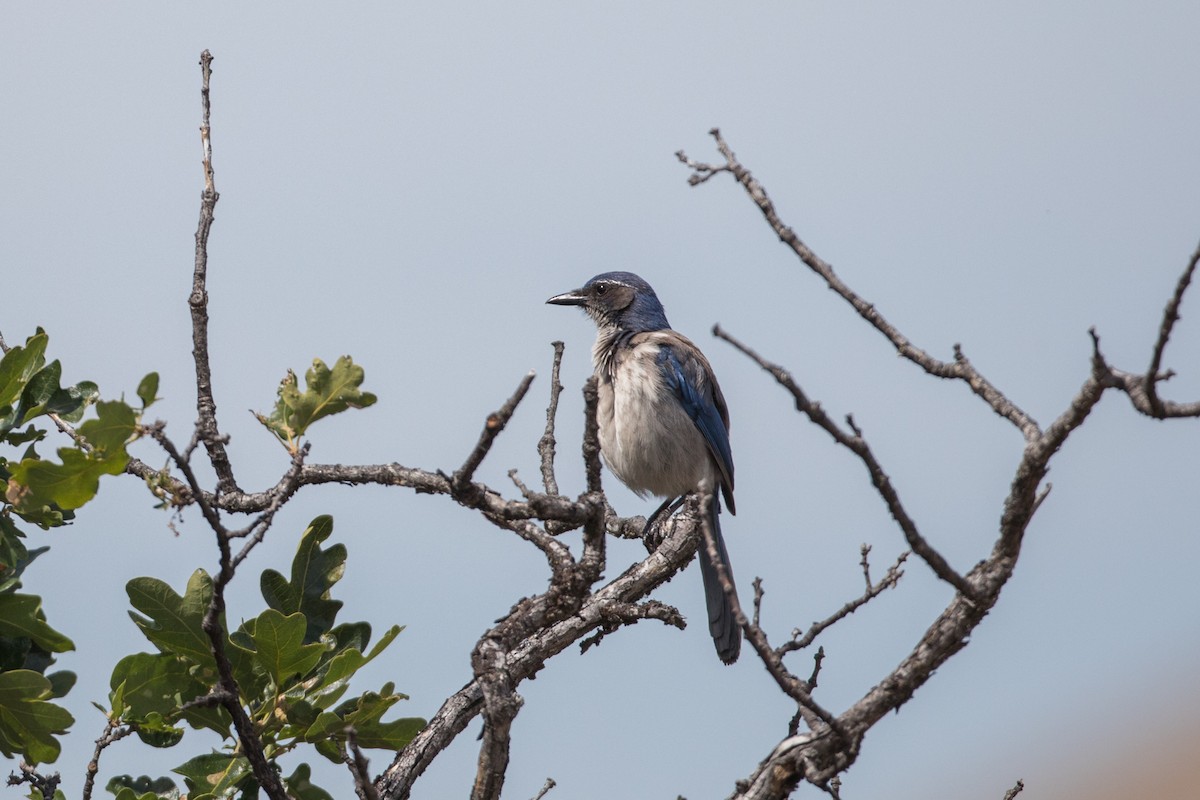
point(727, 636)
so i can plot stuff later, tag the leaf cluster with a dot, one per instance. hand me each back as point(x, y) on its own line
point(292, 665)
point(327, 391)
point(44, 493)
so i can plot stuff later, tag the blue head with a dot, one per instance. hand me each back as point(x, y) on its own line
point(618, 300)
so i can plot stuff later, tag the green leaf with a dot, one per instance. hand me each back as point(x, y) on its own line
point(335, 676)
point(148, 684)
point(109, 432)
point(61, 682)
point(21, 615)
point(251, 678)
point(43, 395)
point(156, 731)
point(328, 391)
point(175, 623)
point(143, 787)
point(147, 390)
point(279, 646)
point(349, 635)
point(18, 366)
point(14, 556)
point(214, 774)
point(214, 718)
point(30, 434)
point(314, 572)
point(365, 715)
point(28, 723)
point(300, 787)
point(76, 400)
point(13, 653)
point(36, 658)
point(37, 392)
point(37, 484)
point(330, 750)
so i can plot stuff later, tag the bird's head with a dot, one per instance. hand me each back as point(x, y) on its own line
point(618, 300)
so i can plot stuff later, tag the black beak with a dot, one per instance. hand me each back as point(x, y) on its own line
point(573, 298)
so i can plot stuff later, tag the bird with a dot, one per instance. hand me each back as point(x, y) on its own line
point(663, 422)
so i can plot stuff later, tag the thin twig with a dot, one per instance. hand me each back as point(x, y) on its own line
point(549, 784)
point(359, 767)
point(591, 564)
point(591, 436)
point(211, 513)
point(818, 659)
point(1170, 317)
point(857, 444)
point(206, 406)
point(113, 732)
point(618, 615)
point(888, 581)
point(792, 686)
point(460, 482)
point(759, 591)
point(959, 369)
point(558, 555)
point(258, 529)
point(546, 445)
point(45, 785)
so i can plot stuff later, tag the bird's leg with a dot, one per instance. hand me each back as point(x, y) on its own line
point(669, 505)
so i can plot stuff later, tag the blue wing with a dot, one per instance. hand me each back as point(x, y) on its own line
point(689, 376)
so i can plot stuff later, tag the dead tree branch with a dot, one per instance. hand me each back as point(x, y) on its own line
point(815, 756)
point(857, 444)
point(206, 407)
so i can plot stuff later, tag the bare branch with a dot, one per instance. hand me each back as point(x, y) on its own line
point(557, 554)
point(814, 715)
point(1015, 790)
point(1170, 317)
point(959, 369)
point(620, 614)
point(591, 436)
point(547, 442)
point(460, 482)
point(550, 784)
point(216, 697)
point(818, 659)
point(500, 706)
point(818, 758)
point(855, 442)
point(211, 513)
point(889, 581)
point(206, 406)
point(758, 597)
point(258, 529)
point(359, 767)
point(113, 732)
point(46, 785)
point(544, 626)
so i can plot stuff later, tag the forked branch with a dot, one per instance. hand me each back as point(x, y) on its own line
point(815, 756)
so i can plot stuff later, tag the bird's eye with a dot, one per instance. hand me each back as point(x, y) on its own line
point(601, 288)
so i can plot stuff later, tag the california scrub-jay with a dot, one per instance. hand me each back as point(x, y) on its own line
point(664, 427)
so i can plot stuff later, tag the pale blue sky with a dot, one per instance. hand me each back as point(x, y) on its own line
point(407, 183)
